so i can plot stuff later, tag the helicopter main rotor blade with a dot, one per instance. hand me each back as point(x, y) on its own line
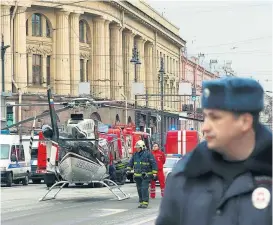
point(31, 118)
point(34, 104)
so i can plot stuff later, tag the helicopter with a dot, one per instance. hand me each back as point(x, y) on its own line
point(74, 156)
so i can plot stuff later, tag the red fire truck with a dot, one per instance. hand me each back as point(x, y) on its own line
point(130, 137)
point(181, 141)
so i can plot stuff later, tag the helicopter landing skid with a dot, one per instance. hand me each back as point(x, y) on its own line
point(115, 189)
point(63, 183)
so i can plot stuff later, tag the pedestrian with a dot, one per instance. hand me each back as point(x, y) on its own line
point(145, 169)
point(160, 159)
point(226, 179)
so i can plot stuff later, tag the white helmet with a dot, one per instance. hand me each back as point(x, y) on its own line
point(140, 144)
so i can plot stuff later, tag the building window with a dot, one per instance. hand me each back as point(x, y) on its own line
point(37, 25)
point(48, 70)
point(37, 69)
point(47, 29)
point(87, 63)
point(27, 28)
point(82, 70)
point(81, 27)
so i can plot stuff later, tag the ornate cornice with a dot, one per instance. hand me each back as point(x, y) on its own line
point(36, 49)
point(85, 54)
point(148, 21)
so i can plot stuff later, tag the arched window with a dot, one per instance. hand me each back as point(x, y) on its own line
point(37, 25)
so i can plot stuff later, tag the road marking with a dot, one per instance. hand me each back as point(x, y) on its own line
point(150, 219)
point(108, 212)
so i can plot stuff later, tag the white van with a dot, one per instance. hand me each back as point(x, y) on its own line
point(14, 160)
point(34, 176)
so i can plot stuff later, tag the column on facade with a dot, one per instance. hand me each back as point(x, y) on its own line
point(140, 41)
point(168, 93)
point(63, 80)
point(107, 60)
point(149, 71)
point(114, 59)
point(29, 68)
point(44, 70)
point(165, 90)
point(173, 88)
point(85, 78)
point(5, 30)
point(128, 77)
point(99, 57)
point(140, 47)
point(75, 53)
point(174, 97)
point(20, 72)
point(120, 89)
point(156, 64)
point(178, 78)
point(173, 93)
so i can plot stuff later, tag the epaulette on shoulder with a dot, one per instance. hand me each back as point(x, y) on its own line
point(181, 164)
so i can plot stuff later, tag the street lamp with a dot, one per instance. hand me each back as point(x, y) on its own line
point(135, 60)
point(126, 107)
point(3, 51)
point(161, 73)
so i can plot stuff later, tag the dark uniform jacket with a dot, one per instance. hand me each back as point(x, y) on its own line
point(143, 162)
point(204, 189)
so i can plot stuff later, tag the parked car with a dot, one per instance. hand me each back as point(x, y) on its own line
point(169, 164)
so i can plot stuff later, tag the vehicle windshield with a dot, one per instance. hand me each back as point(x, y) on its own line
point(34, 153)
point(4, 151)
point(170, 163)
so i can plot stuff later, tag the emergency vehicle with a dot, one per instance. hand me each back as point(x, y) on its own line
point(14, 160)
point(41, 157)
point(181, 141)
point(34, 176)
point(130, 136)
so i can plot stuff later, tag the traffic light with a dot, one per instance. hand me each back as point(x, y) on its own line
point(193, 95)
point(9, 115)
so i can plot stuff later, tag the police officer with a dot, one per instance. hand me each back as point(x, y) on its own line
point(145, 169)
point(227, 179)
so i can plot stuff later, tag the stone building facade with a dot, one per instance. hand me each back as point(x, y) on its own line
point(195, 74)
point(63, 44)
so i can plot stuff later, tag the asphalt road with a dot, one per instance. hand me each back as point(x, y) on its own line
point(20, 205)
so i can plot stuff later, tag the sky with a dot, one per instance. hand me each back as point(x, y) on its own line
point(236, 31)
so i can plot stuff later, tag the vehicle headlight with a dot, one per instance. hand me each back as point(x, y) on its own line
point(2, 168)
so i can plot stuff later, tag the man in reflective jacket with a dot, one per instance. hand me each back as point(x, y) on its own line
point(145, 169)
point(227, 179)
point(160, 159)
